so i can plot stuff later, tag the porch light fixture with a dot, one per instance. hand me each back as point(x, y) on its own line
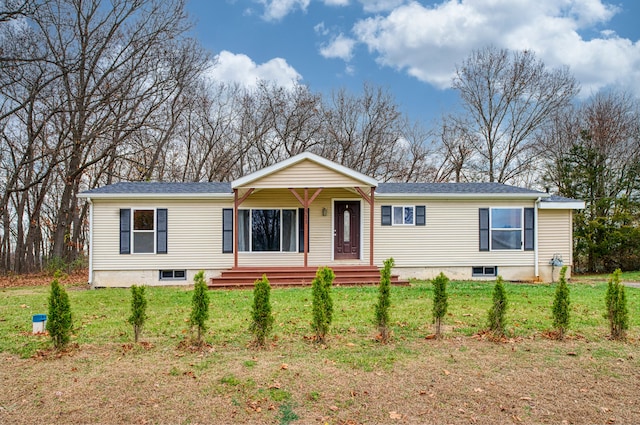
point(324, 212)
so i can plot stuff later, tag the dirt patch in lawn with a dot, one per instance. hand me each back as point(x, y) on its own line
point(455, 381)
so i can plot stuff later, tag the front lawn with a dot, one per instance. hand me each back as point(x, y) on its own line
point(461, 379)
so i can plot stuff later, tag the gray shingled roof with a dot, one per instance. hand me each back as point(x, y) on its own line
point(222, 188)
point(557, 198)
point(452, 188)
point(149, 188)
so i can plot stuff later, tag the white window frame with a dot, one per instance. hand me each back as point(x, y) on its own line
point(484, 271)
point(250, 225)
point(511, 229)
point(393, 215)
point(173, 274)
point(133, 231)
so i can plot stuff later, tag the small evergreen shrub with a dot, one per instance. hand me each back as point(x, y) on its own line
point(200, 305)
point(497, 312)
point(384, 301)
point(561, 304)
point(261, 317)
point(616, 304)
point(138, 310)
point(322, 302)
point(59, 320)
point(440, 302)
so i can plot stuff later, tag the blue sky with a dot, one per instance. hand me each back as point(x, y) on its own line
point(411, 47)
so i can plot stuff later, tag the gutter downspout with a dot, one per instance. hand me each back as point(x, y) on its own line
point(90, 282)
point(535, 239)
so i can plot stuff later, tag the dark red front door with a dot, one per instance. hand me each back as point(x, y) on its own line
point(346, 230)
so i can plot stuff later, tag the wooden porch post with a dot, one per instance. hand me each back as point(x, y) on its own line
point(371, 218)
point(305, 211)
point(306, 203)
point(235, 228)
point(370, 200)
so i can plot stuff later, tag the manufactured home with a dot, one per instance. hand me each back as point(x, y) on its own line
point(288, 219)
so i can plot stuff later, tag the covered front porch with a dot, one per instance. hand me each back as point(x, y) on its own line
point(300, 214)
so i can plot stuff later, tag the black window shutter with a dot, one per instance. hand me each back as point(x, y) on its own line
point(161, 231)
point(421, 216)
point(301, 230)
point(529, 224)
point(227, 230)
point(385, 215)
point(125, 231)
point(484, 229)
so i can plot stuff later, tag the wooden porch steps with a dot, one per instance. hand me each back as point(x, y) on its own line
point(244, 277)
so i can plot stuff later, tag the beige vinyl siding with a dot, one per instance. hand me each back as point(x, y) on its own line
point(555, 237)
point(194, 236)
point(450, 237)
point(305, 174)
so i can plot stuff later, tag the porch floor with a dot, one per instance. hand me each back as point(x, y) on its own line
point(243, 277)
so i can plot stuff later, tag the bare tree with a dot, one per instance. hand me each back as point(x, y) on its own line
point(507, 97)
point(80, 82)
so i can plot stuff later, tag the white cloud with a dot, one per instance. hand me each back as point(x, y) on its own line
point(321, 29)
point(340, 47)
point(427, 41)
point(275, 10)
point(336, 2)
point(375, 6)
point(241, 69)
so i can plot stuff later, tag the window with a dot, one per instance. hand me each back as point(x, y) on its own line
point(173, 275)
point(269, 230)
point(405, 215)
point(506, 228)
point(245, 234)
point(143, 231)
point(480, 271)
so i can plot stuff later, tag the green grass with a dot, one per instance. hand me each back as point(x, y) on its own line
point(100, 317)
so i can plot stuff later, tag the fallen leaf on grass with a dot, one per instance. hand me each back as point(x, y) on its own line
point(284, 366)
point(395, 415)
point(446, 372)
point(333, 408)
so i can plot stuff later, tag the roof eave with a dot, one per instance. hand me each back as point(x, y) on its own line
point(562, 205)
point(156, 195)
point(444, 196)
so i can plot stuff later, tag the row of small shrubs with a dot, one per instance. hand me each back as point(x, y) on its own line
point(59, 323)
point(616, 312)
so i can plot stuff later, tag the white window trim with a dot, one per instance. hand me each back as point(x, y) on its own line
point(484, 274)
point(173, 271)
point(521, 228)
point(393, 215)
point(297, 230)
point(133, 231)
